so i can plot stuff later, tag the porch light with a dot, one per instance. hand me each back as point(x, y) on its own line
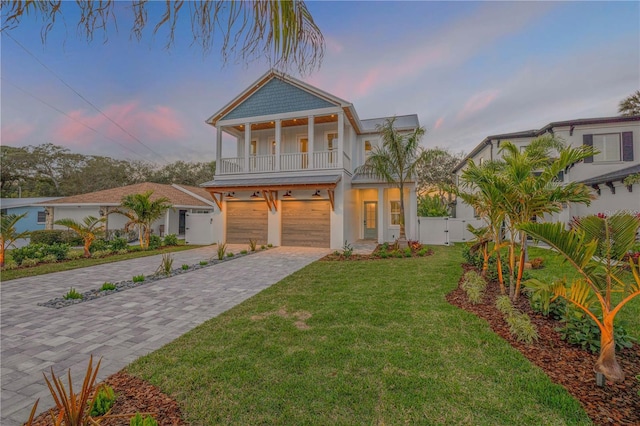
point(231, 195)
point(317, 194)
point(287, 194)
point(255, 195)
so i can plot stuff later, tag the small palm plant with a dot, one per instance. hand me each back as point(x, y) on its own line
point(90, 228)
point(595, 247)
point(8, 233)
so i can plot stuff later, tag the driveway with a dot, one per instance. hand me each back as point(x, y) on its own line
point(123, 326)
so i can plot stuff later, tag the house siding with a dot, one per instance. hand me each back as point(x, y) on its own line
point(277, 97)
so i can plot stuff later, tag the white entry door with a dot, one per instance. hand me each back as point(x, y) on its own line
point(199, 229)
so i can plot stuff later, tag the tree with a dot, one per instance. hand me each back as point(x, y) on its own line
point(630, 105)
point(8, 233)
point(283, 31)
point(184, 173)
point(432, 206)
point(89, 229)
point(395, 162)
point(142, 211)
point(434, 170)
point(595, 247)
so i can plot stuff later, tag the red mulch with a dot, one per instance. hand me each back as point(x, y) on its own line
point(567, 365)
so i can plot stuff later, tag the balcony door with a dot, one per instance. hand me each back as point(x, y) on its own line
point(303, 149)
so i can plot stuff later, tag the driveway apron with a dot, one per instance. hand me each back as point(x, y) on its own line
point(123, 326)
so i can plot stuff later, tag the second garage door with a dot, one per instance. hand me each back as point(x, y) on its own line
point(247, 220)
point(306, 223)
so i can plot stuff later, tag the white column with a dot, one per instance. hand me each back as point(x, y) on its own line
point(166, 223)
point(380, 215)
point(278, 142)
point(341, 140)
point(247, 145)
point(310, 138)
point(218, 148)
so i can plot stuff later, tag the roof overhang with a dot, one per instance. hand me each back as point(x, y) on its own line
point(272, 184)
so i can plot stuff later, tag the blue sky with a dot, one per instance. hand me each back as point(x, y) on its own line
point(468, 69)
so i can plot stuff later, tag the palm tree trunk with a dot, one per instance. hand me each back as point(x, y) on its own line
point(141, 236)
point(520, 265)
point(2, 256)
point(403, 235)
point(512, 266)
point(87, 244)
point(500, 274)
point(607, 363)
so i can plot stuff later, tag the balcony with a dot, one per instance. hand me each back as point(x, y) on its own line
point(298, 161)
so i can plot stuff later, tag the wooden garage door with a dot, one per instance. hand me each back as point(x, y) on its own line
point(247, 220)
point(306, 223)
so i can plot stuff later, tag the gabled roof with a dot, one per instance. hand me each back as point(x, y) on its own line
point(613, 176)
point(178, 195)
point(275, 93)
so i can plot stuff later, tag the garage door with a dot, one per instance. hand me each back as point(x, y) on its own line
point(247, 220)
point(306, 223)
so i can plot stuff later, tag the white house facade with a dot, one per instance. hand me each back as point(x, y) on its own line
point(292, 179)
point(617, 141)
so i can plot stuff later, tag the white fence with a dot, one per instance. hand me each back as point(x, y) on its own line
point(445, 230)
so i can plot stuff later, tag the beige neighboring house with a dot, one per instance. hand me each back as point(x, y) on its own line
point(190, 216)
point(616, 138)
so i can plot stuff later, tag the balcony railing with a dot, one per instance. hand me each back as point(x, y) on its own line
point(288, 162)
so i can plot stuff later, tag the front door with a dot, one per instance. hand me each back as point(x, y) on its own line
point(182, 221)
point(370, 220)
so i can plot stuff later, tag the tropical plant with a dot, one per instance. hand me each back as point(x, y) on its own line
point(142, 211)
point(630, 105)
point(221, 250)
point(8, 233)
point(282, 31)
point(72, 294)
point(599, 278)
point(140, 420)
point(395, 161)
point(88, 230)
point(481, 244)
point(432, 206)
point(171, 240)
point(104, 400)
point(138, 278)
point(166, 265)
point(252, 245)
point(107, 286)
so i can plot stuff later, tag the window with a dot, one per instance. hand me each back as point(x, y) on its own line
point(42, 216)
point(395, 212)
point(253, 149)
point(481, 162)
point(609, 147)
point(332, 141)
point(273, 147)
point(367, 149)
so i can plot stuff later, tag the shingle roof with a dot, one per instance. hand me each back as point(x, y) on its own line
point(113, 196)
point(613, 176)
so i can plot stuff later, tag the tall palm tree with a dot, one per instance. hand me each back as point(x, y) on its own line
point(595, 247)
point(8, 233)
point(395, 161)
point(142, 211)
point(89, 229)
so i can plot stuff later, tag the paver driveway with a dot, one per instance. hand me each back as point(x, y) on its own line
point(123, 326)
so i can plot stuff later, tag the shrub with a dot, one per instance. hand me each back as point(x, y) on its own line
point(503, 303)
point(74, 254)
point(55, 236)
point(101, 253)
point(423, 252)
point(123, 251)
point(29, 262)
point(579, 329)
point(104, 400)
point(138, 278)
point(262, 247)
point(118, 243)
point(521, 327)
point(99, 244)
point(171, 240)
point(230, 254)
point(252, 245)
point(269, 245)
point(347, 249)
point(9, 264)
point(243, 252)
point(221, 250)
point(474, 285)
point(134, 248)
point(185, 267)
point(72, 294)
point(202, 263)
point(166, 265)
point(108, 286)
point(537, 263)
point(155, 242)
point(138, 420)
point(50, 258)
point(407, 252)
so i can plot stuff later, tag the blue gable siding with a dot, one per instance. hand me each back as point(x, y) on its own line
point(277, 97)
point(30, 221)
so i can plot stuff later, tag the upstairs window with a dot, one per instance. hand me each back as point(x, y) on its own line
point(253, 149)
point(332, 141)
point(367, 149)
point(609, 147)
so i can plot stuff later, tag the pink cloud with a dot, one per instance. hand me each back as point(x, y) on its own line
point(439, 122)
point(15, 133)
point(149, 124)
point(477, 103)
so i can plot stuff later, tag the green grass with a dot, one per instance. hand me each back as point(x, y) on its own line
point(356, 343)
point(47, 268)
point(555, 268)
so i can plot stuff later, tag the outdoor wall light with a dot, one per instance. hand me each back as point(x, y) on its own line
point(231, 195)
point(317, 194)
point(287, 194)
point(255, 195)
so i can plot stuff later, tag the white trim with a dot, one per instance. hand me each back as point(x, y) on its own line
point(196, 196)
point(281, 116)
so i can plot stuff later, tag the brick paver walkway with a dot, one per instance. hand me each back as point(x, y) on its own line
point(123, 326)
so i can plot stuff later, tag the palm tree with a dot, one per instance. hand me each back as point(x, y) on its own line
point(89, 229)
point(533, 191)
point(630, 105)
point(595, 247)
point(395, 162)
point(8, 233)
point(142, 212)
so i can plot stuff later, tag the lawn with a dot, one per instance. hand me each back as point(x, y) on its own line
point(47, 268)
point(555, 268)
point(370, 342)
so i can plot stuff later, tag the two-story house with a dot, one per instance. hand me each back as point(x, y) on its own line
point(291, 180)
point(617, 142)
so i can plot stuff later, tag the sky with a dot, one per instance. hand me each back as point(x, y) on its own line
point(467, 69)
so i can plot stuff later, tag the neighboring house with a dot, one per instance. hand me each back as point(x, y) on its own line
point(616, 138)
point(189, 203)
point(291, 181)
point(36, 214)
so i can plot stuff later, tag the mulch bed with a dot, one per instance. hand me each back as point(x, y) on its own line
point(567, 365)
point(388, 251)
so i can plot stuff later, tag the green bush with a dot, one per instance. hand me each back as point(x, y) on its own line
point(138, 420)
point(230, 254)
point(29, 262)
point(171, 240)
point(101, 253)
point(221, 250)
point(118, 243)
point(123, 251)
point(407, 252)
point(74, 254)
point(99, 244)
point(243, 252)
point(503, 303)
point(185, 267)
point(521, 327)
point(581, 330)
point(202, 263)
point(474, 285)
point(55, 236)
point(138, 278)
point(105, 399)
point(72, 294)
point(50, 258)
point(155, 242)
point(108, 286)
point(40, 251)
point(9, 264)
